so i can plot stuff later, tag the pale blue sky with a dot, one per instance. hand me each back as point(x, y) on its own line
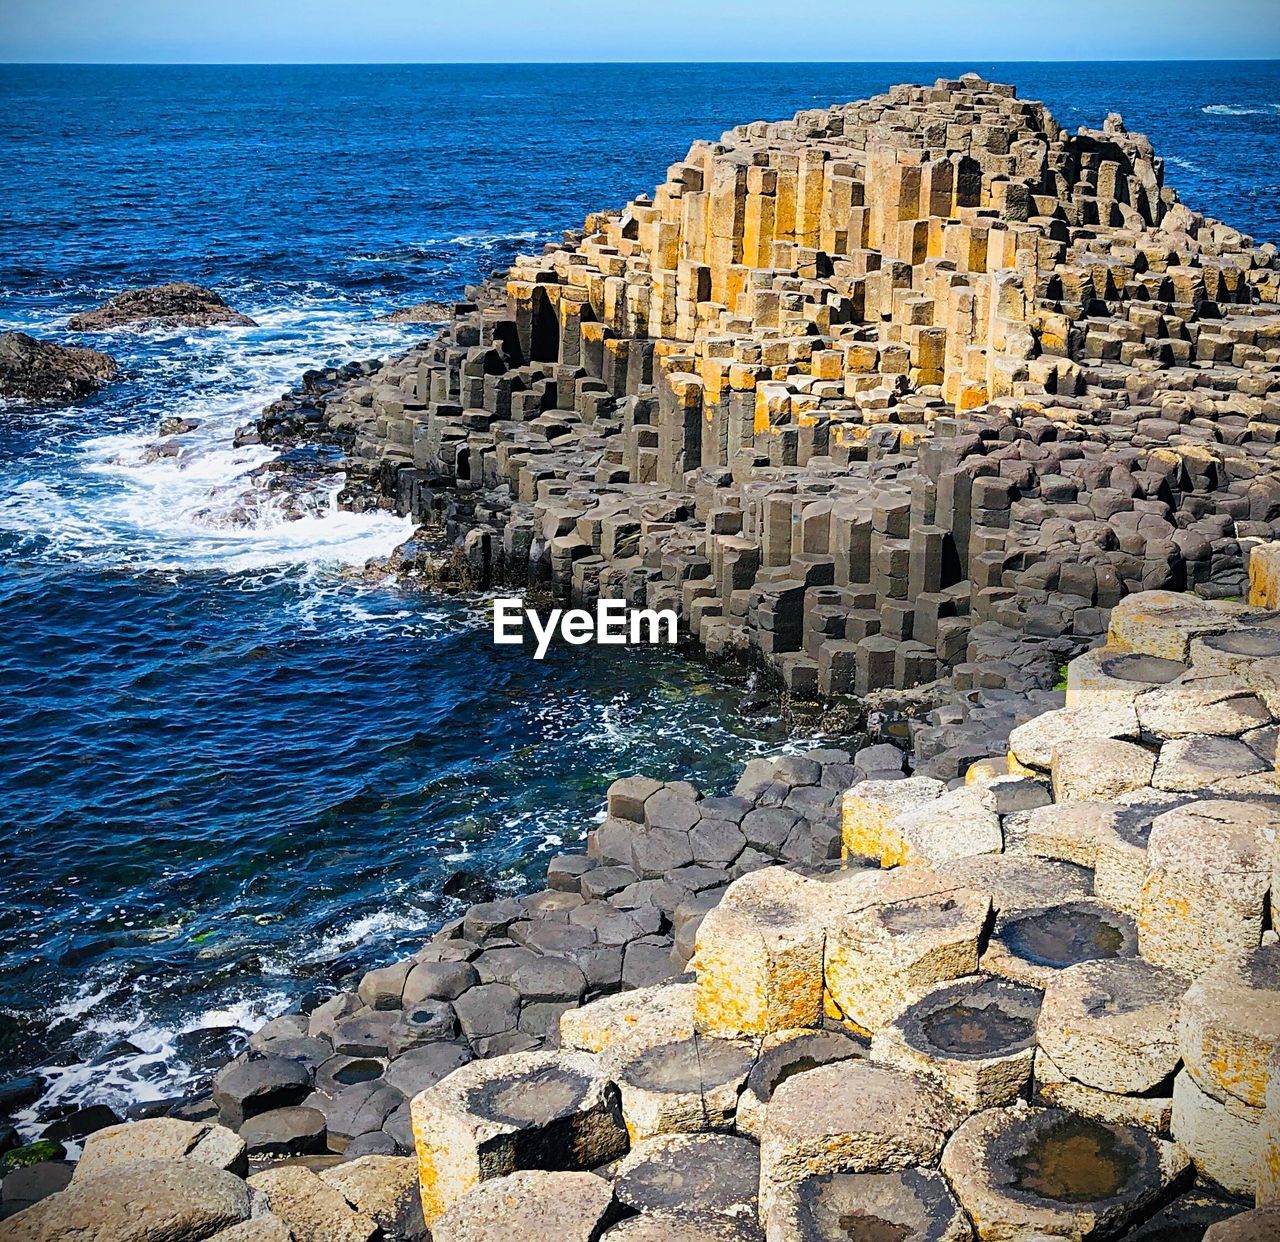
point(282, 31)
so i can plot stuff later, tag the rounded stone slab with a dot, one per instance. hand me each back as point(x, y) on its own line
point(912, 1206)
point(161, 1138)
point(566, 1207)
point(683, 1087)
point(1084, 769)
point(758, 957)
point(177, 1200)
point(850, 1117)
point(665, 1228)
point(1113, 1024)
point(246, 1087)
point(1204, 895)
point(1230, 1026)
point(1032, 745)
point(311, 1207)
point(1260, 1225)
point(1227, 653)
point(878, 959)
point(1031, 946)
point(1164, 623)
point(691, 1174)
point(1108, 675)
point(1044, 1172)
point(975, 1036)
point(869, 809)
point(292, 1131)
point(489, 1118)
point(793, 1053)
point(1217, 704)
point(628, 1022)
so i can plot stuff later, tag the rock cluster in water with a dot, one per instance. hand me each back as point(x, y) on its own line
point(32, 370)
point(920, 394)
point(179, 304)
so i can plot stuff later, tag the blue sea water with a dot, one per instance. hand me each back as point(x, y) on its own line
point(233, 770)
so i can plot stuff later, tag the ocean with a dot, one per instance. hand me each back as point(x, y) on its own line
point(234, 770)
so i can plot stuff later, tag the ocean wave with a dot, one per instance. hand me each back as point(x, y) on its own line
point(1238, 110)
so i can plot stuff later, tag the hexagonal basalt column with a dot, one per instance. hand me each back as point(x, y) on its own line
point(913, 1206)
point(784, 1059)
point(684, 1087)
point(880, 959)
point(1224, 1138)
point(1164, 623)
point(1108, 675)
point(1113, 1024)
point(691, 1175)
point(868, 812)
point(1231, 1026)
point(975, 1036)
point(1230, 652)
point(759, 957)
point(534, 1110)
point(850, 1117)
point(1031, 946)
point(1026, 1173)
point(1208, 873)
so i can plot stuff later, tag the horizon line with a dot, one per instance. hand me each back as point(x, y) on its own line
point(459, 64)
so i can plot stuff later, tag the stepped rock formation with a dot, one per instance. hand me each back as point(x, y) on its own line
point(886, 392)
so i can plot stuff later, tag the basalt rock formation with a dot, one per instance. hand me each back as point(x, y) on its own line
point(913, 387)
point(40, 371)
point(176, 305)
point(920, 389)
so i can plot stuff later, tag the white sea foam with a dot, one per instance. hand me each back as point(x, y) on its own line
point(1237, 110)
point(206, 508)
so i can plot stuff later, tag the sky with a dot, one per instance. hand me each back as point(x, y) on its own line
point(402, 31)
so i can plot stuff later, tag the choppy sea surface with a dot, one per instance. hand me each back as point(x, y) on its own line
point(233, 772)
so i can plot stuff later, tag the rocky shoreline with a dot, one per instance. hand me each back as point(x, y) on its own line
point(923, 405)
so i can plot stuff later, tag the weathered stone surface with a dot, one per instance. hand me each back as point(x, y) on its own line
point(1039, 1173)
point(911, 1206)
point(161, 1138)
point(618, 1025)
point(574, 1207)
point(1113, 1023)
point(976, 1037)
point(879, 959)
point(683, 1087)
point(691, 1175)
point(527, 1110)
point(1260, 1225)
point(173, 1200)
point(1091, 768)
point(34, 370)
point(1223, 1139)
point(313, 1210)
point(868, 812)
point(850, 1116)
point(759, 957)
point(246, 1087)
point(1230, 1027)
point(790, 1054)
point(383, 1188)
point(1031, 946)
point(291, 1131)
point(1208, 874)
point(1032, 745)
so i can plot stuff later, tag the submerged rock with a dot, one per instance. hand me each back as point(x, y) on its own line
point(33, 370)
point(175, 305)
